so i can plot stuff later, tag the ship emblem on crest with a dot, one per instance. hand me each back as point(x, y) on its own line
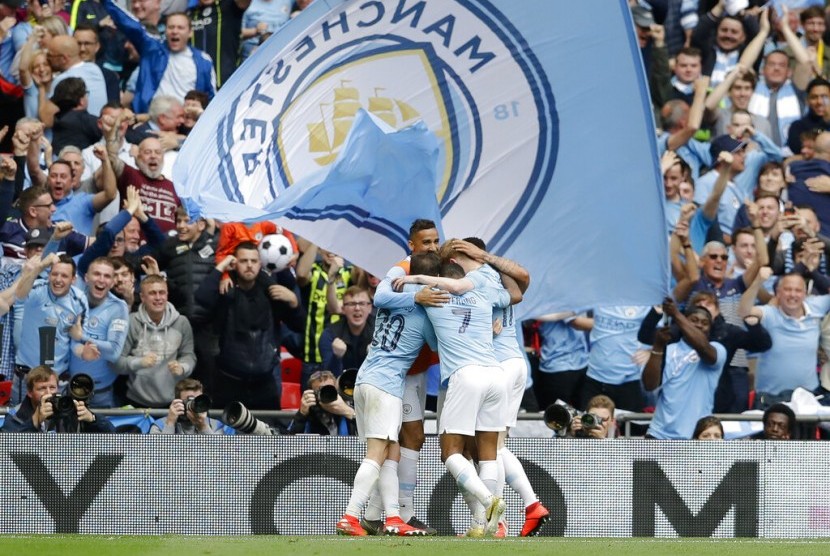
point(345, 105)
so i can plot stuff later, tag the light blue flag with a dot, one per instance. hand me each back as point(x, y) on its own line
point(381, 180)
point(546, 143)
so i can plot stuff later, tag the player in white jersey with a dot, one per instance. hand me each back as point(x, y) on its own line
point(511, 356)
point(398, 337)
point(475, 400)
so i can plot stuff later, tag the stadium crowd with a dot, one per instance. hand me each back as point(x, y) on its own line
point(105, 276)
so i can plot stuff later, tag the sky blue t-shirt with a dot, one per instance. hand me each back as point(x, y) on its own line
point(506, 342)
point(695, 153)
point(44, 309)
point(791, 361)
point(464, 326)
point(387, 298)
point(398, 338)
point(613, 342)
point(76, 208)
point(105, 326)
point(687, 391)
point(563, 347)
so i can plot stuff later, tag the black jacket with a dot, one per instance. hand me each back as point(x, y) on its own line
point(187, 266)
point(248, 351)
point(357, 347)
point(21, 421)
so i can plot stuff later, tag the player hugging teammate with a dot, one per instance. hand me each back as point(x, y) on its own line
point(460, 301)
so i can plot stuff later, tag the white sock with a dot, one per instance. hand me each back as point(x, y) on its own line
point(515, 476)
point(389, 488)
point(500, 477)
point(466, 478)
point(488, 471)
point(364, 481)
point(407, 478)
point(374, 509)
point(476, 509)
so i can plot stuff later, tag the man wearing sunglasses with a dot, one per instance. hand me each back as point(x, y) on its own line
point(714, 264)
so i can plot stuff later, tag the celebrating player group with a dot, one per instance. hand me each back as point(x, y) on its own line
point(456, 299)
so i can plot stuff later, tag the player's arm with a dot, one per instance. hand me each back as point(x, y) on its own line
point(456, 286)
point(505, 266)
point(387, 298)
point(385, 295)
point(512, 287)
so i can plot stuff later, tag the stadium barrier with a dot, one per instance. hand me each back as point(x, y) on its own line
point(131, 484)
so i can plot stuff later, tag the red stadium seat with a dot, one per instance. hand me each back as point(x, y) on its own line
point(291, 394)
point(5, 392)
point(292, 370)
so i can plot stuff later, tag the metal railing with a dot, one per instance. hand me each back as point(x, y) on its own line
point(624, 420)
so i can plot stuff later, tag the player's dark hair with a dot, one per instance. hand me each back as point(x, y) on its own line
point(87, 27)
point(690, 51)
point(65, 163)
point(428, 264)
point(354, 291)
point(198, 96)
point(120, 262)
point(477, 241)
point(451, 270)
point(698, 297)
point(420, 225)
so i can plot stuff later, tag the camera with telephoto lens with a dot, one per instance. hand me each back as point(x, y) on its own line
point(240, 418)
point(326, 394)
point(559, 415)
point(196, 404)
point(346, 384)
point(345, 388)
point(81, 388)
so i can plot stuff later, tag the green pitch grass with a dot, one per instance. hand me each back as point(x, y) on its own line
point(99, 545)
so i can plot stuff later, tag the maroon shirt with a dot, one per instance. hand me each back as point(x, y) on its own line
point(159, 196)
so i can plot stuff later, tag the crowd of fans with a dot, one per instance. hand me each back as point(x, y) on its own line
point(740, 94)
point(105, 275)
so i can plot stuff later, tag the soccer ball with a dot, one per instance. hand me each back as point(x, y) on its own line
point(275, 252)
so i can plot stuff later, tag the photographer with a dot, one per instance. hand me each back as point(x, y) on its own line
point(604, 425)
point(37, 412)
point(317, 415)
point(184, 416)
